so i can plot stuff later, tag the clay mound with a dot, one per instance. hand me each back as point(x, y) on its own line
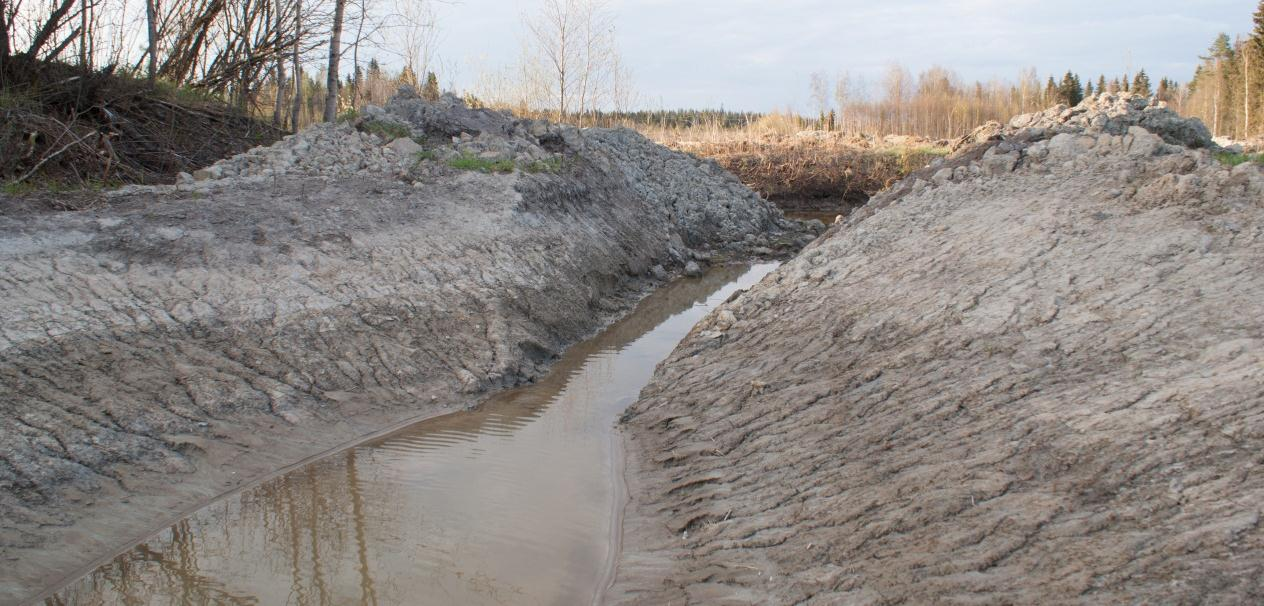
point(1031, 374)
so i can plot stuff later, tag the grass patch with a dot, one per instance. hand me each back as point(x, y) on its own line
point(469, 161)
point(551, 165)
point(1236, 159)
point(11, 188)
point(388, 131)
point(427, 155)
point(349, 115)
point(185, 94)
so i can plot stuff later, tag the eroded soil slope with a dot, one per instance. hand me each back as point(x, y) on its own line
point(1031, 374)
point(178, 341)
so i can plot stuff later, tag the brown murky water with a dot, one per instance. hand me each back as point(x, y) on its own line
point(513, 503)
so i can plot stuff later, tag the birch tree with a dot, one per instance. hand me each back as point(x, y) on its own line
point(572, 55)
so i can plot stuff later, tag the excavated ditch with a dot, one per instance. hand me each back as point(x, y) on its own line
point(170, 344)
point(511, 503)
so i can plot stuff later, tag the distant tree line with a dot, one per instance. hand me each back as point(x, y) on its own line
point(677, 118)
point(937, 103)
point(1227, 91)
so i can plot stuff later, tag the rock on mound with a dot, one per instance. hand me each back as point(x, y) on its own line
point(1107, 113)
point(1032, 374)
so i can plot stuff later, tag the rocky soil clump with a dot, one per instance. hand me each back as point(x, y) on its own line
point(1033, 373)
point(178, 341)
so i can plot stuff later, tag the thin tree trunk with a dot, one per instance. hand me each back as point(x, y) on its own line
point(4, 37)
point(358, 83)
point(1215, 119)
point(151, 15)
point(335, 53)
point(6, 46)
point(83, 38)
point(1246, 90)
point(298, 68)
point(278, 104)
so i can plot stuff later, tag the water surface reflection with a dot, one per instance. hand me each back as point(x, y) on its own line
point(507, 504)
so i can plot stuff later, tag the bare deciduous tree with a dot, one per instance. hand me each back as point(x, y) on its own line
point(420, 35)
point(819, 91)
point(572, 57)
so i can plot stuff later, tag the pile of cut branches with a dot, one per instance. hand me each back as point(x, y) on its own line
point(64, 125)
point(811, 173)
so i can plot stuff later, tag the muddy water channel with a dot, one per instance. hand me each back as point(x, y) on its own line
point(513, 503)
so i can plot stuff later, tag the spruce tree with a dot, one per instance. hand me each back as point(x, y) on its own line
point(1141, 85)
point(1088, 90)
point(1070, 92)
point(1051, 92)
point(1101, 84)
point(1125, 83)
point(1257, 36)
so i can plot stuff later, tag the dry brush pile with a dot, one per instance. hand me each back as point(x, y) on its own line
point(63, 125)
point(813, 170)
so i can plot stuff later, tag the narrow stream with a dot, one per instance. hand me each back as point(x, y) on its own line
point(512, 503)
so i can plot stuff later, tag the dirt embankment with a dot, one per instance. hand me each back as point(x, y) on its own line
point(181, 340)
point(1031, 374)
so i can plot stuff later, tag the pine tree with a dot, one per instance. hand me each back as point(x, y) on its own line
point(1253, 70)
point(1088, 90)
point(1217, 62)
point(431, 90)
point(1051, 92)
point(1101, 84)
point(1125, 83)
point(1141, 85)
point(1165, 90)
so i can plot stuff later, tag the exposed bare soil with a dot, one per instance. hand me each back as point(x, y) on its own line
point(1033, 373)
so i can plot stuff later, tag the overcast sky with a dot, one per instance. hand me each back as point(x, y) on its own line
point(758, 54)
